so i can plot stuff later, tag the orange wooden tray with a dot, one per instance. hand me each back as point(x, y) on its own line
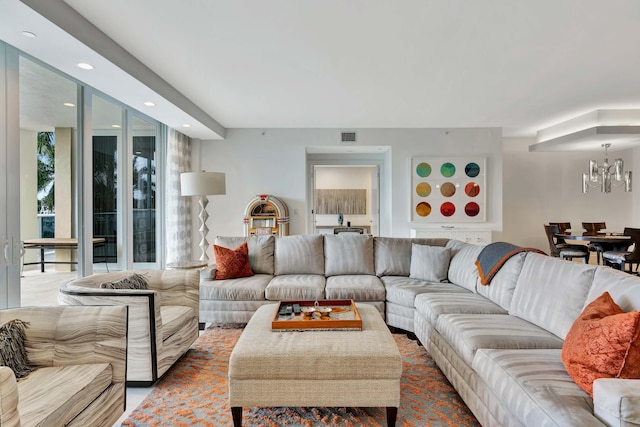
point(344, 316)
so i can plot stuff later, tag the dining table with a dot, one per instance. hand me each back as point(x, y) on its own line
point(608, 241)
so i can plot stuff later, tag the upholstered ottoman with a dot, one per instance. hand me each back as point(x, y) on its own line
point(315, 368)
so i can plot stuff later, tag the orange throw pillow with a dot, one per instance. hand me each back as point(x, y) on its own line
point(232, 263)
point(604, 342)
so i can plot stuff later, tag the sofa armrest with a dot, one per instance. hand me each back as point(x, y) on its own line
point(616, 402)
point(208, 273)
point(9, 415)
point(145, 319)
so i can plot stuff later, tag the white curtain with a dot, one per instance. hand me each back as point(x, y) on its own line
point(178, 211)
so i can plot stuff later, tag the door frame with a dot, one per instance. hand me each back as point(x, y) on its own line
point(339, 157)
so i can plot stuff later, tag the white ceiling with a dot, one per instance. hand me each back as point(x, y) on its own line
point(518, 65)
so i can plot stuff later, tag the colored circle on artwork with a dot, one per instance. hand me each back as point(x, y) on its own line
point(447, 209)
point(447, 170)
point(448, 189)
point(472, 209)
point(472, 189)
point(423, 209)
point(423, 170)
point(472, 170)
point(423, 189)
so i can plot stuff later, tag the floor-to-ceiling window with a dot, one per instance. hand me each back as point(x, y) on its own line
point(107, 135)
point(144, 160)
point(46, 154)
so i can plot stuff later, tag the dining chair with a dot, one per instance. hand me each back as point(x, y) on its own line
point(562, 250)
point(623, 258)
point(592, 229)
point(562, 229)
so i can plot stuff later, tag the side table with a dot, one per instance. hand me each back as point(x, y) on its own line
point(186, 265)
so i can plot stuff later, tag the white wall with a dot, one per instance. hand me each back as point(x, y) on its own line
point(539, 188)
point(28, 190)
point(273, 161)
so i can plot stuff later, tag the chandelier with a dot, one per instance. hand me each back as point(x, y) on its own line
point(606, 175)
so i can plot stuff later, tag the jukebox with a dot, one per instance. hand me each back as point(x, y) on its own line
point(266, 215)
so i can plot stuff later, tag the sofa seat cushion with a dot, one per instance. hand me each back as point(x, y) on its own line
point(175, 318)
point(467, 333)
point(431, 305)
point(358, 287)
point(535, 387)
point(403, 290)
point(296, 287)
point(242, 289)
point(53, 396)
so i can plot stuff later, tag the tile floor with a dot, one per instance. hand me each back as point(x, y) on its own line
point(39, 289)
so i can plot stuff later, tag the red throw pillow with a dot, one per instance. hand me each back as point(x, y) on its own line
point(232, 263)
point(603, 342)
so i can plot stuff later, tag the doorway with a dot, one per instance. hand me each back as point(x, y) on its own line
point(358, 176)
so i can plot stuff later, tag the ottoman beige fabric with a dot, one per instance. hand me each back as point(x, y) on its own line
point(315, 368)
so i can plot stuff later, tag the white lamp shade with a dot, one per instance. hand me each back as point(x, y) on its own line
point(202, 183)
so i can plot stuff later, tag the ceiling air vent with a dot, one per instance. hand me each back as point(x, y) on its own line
point(348, 137)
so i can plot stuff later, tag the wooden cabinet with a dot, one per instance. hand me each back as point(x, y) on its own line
point(475, 236)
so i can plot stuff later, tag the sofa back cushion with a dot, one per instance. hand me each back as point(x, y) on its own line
point(260, 251)
point(462, 268)
point(551, 292)
point(624, 288)
point(300, 254)
point(500, 289)
point(392, 255)
point(348, 254)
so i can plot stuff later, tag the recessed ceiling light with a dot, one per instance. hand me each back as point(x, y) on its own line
point(84, 66)
point(29, 34)
point(149, 104)
point(186, 125)
point(115, 126)
point(69, 104)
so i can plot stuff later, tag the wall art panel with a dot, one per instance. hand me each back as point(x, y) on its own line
point(448, 189)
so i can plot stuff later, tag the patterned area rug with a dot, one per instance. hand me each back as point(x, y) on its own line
point(194, 392)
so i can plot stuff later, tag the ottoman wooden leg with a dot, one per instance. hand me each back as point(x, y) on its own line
point(392, 413)
point(236, 414)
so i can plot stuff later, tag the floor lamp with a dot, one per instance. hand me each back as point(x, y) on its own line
point(202, 184)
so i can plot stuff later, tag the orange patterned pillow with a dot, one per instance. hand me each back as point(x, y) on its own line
point(232, 263)
point(604, 342)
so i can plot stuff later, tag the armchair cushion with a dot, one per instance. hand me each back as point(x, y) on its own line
point(71, 389)
point(12, 350)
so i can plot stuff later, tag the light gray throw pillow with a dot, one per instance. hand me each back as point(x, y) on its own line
point(429, 263)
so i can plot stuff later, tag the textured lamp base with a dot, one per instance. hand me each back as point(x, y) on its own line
point(204, 244)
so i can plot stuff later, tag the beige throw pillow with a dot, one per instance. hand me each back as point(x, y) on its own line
point(429, 263)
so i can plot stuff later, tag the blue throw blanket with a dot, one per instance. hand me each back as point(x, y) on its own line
point(493, 256)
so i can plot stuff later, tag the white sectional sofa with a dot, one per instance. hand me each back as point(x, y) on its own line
point(499, 344)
